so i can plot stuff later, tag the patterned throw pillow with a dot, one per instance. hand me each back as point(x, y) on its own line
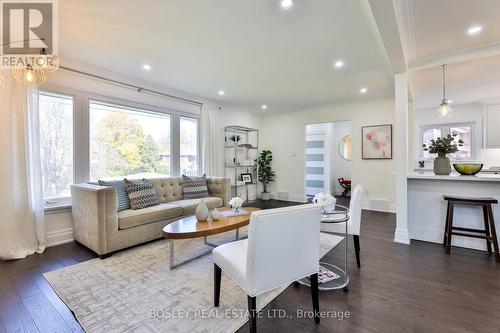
point(194, 187)
point(121, 192)
point(141, 193)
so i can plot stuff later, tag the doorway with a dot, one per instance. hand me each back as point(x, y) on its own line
point(328, 158)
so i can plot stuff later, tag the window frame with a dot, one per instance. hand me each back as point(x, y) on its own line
point(63, 201)
point(445, 130)
point(81, 132)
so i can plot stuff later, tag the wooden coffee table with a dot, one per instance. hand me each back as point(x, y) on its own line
point(189, 227)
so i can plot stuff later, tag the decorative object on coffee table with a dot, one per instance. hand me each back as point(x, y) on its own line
point(266, 173)
point(201, 212)
point(443, 146)
point(236, 203)
point(377, 142)
point(216, 215)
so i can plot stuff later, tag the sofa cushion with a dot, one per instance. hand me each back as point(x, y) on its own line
point(194, 187)
point(167, 189)
point(189, 205)
point(141, 193)
point(121, 192)
point(132, 218)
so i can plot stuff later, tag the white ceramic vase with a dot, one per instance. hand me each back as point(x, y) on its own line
point(201, 212)
point(216, 214)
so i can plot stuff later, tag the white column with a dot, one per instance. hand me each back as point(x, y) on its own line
point(401, 234)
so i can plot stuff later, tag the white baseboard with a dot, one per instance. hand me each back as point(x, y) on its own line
point(402, 236)
point(379, 205)
point(285, 196)
point(59, 237)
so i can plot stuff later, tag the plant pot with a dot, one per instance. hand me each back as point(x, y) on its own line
point(265, 196)
point(442, 166)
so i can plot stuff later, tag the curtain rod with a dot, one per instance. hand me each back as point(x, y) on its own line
point(139, 89)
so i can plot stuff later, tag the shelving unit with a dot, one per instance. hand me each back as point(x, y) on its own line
point(241, 150)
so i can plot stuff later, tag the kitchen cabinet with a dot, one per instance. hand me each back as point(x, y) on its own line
point(492, 126)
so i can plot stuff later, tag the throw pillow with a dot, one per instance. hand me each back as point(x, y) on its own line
point(121, 192)
point(141, 193)
point(194, 187)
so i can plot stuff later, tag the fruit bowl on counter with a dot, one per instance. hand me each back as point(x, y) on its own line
point(468, 169)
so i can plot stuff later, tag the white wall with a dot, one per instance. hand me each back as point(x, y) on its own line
point(340, 167)
point(284, 134)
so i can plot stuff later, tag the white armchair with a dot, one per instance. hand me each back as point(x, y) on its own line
point(282, 247)
point(354, 223)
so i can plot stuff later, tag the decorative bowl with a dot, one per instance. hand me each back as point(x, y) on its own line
point(468, 169)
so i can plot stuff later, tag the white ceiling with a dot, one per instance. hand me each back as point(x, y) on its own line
point(437, 34)
point(252, 49)
point(440, 26)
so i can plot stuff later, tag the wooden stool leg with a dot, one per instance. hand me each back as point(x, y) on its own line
point(446, 223)
point(493, 232)
point(487, 227)
point(449, 227)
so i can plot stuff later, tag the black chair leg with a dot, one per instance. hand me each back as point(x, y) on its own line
point(252, 312)
point(217, 279)
point(487, 227)
point(315, 296)
point(356, 249)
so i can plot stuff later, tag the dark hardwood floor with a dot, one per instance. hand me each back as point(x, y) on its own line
point(399, 288)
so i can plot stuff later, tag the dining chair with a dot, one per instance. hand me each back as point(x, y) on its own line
point(282, 247)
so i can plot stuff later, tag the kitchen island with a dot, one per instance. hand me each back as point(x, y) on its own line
point(427, 209)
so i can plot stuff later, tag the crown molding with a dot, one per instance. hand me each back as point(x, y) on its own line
point(462, 55)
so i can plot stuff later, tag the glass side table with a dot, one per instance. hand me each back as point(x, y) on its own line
point(339, 215)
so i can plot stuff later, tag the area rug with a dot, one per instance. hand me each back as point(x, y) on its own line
point(134, 290)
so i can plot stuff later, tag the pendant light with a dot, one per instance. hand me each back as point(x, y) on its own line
point(28, 75)
point(444, 110)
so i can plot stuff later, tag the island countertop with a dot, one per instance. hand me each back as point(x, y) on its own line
point(454, 176)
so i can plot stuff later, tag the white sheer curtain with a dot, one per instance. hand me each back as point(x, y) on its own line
point(22, 230)
point(210, 143)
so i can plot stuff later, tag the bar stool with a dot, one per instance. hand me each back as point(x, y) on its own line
point(489, 233)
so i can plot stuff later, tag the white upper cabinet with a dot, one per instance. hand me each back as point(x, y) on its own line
point(492, 126)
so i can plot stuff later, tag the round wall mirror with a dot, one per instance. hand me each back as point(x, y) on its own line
point(345, 147)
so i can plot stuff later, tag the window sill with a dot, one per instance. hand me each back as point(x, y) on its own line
point(54, 209)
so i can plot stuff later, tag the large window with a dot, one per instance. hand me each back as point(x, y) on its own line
point(189, 146)
point(56, 146)
point(126, 142)
point(463, 131)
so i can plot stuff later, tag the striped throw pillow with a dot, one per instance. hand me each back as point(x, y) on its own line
point(141, 193)
point(121, 192)
point(194, 187)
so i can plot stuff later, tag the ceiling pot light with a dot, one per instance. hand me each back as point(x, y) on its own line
point(363, 90)
point(474, 30)
point(444, 110)
point(221, 92)
point(339, 64)
point(146, 67)
point(286, 4)
point(264, 106)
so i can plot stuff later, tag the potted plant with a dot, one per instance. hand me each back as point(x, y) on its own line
point(266, 173)
point(443, 146)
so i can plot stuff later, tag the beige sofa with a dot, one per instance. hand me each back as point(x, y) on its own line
point(98, 225)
